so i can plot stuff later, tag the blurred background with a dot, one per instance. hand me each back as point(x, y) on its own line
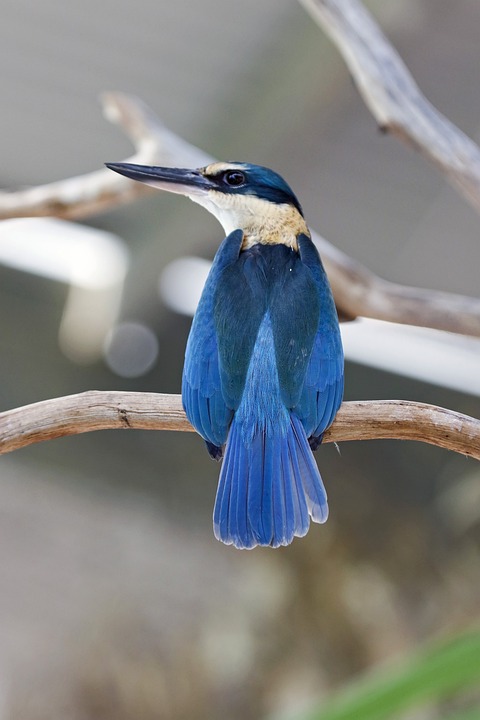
point(116, 601)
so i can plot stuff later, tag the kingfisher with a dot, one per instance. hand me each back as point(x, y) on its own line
point(263, 372)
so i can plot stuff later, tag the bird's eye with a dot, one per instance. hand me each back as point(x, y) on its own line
point(234, 178)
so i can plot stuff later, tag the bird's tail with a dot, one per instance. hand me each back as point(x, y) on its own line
point(269, 488)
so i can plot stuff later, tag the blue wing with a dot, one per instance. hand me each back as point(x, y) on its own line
point(202, 395)
point(322, 392)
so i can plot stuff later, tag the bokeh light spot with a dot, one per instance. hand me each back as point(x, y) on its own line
point(131, 349)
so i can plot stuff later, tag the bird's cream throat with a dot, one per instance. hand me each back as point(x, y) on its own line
point(262, 221)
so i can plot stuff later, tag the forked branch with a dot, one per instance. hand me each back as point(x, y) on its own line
point(97, 410)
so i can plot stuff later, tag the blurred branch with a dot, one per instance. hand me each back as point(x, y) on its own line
point(392, 95)
point(110, 410)
point(98, 191)
point(357, 291)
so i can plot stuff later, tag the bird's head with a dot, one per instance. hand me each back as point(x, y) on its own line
point(240, 195)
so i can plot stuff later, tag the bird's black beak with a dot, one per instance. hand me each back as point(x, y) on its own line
point(177, 180)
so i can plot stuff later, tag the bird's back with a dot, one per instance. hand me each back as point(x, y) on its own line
point(260, 313)
point(268, 286)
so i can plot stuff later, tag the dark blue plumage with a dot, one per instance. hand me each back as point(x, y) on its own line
point(263, 374)
point(265, 355)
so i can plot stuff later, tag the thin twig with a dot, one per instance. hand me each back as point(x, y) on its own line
point(98, 410)
point(357, 291)
point(392, 95)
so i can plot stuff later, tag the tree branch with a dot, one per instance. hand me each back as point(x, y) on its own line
point(98, 410)
point(95, 192)
point(357, 291)
point(392, 95)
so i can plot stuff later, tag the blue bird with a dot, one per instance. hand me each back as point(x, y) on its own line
point(263, 373)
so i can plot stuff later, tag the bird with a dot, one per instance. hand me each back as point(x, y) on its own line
point(263, 376)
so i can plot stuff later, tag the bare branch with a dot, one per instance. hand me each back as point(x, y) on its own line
point(97, 410)
point(98, 191)
point(392, 95)
point(357, 291)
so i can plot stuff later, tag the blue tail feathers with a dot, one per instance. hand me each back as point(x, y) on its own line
point(269, 488)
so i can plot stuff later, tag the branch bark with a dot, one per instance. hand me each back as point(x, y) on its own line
point(357, 291)
point(392, 95)
point(98, 410)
